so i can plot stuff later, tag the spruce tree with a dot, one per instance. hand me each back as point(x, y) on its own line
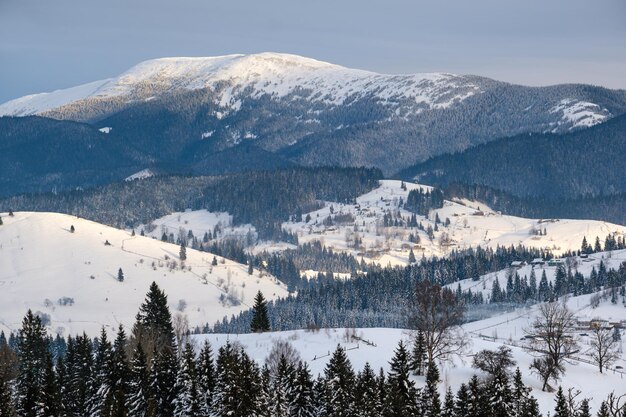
point(226, 398)
point(499, 398)
point(119, 375)
point(206, 379)
point(448, 405)
point(418, 360)
point(162, 377)
point(6, 399)
point(561, 409)
point(519, 395)
point(138, 385)
point(282, 387)
point(401, 395)
point(188, 398)
point(260, 320)
point(431, 402)
point(31, 377)
point(367, 398)
point(339, 383)
point(475, 405)
point(461, 405)
point(303, 400)
point(182, 253)
point(51, 394)
point(120, 275)
point(584, 410)
point(100, 385)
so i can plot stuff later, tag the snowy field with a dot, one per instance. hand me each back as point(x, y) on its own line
point(43, 262)
point(316, 347)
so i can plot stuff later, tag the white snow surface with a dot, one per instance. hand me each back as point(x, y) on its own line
point(472, 224)
point(199, 222)
point(140, 175)
point(579, 113)
point(316, 347)
point(274, 74)
point(41, 260)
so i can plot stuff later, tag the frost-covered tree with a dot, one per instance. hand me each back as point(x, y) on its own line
point(138, 386)
point(338, 385)
point(401, 394)
point(187, 403)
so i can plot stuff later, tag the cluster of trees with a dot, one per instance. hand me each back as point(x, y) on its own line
point(520, 290)
point(421, 202)
point(378, 298)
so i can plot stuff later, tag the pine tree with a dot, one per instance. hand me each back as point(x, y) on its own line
point(99, 387)
point(225, 398)
point(182, 253)
point(338, 385)
point(499, 395)
point(461, 405)
point(206, 379)
point(187, 399)
point(448, 404)
point(162, 377)
point(560, 410)
point(6, 400)
point(519, 394)
point(604, 410)
point(367, 398)
point(77, 376)
point(597, 247)
point(282, 387)
point(120, 275)
point(33, 356)
point(475, 405)
point(138, 386)
point(119, 375)
point(418, 360)
point(50, 395)
point(401, 395)
point(584, 410)
point(412, 259)
point(153, 327)
point(303, 399)
point(430, 396)
point(260, 320)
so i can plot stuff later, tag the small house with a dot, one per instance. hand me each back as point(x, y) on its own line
point(537, 262)
point(517, 264)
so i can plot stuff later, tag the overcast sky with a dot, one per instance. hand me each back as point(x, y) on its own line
point(46, 45)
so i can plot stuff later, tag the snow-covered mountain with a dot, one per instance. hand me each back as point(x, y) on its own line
point(277, 75)
point(312, 112)
point(72, 277)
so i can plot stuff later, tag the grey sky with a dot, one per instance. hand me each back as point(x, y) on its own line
point(46, 45)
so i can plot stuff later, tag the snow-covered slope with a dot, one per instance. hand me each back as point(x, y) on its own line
point(471, 224)
point(274, 74)
point(316, 347)
point(43, 262)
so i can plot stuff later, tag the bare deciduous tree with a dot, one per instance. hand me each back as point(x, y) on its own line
point(603, 349)
point(494, 361)
point(438, 314)
point(553, 340)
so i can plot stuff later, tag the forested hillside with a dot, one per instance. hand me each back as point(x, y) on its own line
point(554, 167)
point(264, 199)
